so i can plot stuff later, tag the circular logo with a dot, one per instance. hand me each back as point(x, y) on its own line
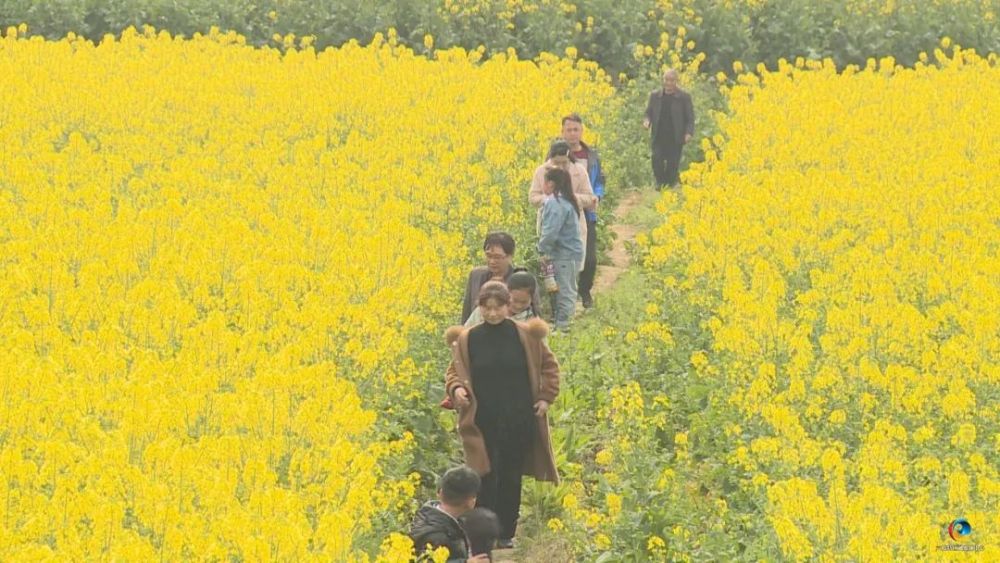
point(959, 529)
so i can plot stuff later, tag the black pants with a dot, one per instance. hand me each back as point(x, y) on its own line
point(666, 163)
point(589, 261)
point(501, 487)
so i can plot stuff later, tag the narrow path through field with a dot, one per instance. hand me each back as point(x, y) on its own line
point(625, 232)
point(625, 224)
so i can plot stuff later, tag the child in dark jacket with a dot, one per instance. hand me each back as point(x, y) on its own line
point(436, 522)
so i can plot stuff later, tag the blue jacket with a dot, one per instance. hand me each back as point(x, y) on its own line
point(596, 177)
point(560, 231)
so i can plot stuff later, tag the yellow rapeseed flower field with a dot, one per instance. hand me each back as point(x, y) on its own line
point(843, 237)
point(205, 248)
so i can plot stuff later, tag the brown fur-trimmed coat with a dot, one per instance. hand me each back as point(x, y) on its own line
point(543, 372)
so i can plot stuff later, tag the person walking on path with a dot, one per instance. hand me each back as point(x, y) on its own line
point(560, 242)
point(499, 251)
point(670, 119)
point(560, 157)
point(590, 159)
point(523, 287)
point(502, 379)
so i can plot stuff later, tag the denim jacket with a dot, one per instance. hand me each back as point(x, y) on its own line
point(560, 231)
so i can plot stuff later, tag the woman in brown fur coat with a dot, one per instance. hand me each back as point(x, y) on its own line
point(502, 379)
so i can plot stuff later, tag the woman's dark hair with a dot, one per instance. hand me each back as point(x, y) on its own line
point(501, 239)
point(494, 290)
point(459, 484)
point(560, 148)
point(564, 186)
point(522, 279)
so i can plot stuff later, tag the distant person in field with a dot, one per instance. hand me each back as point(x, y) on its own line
point(437, 524)
point(590, 159)
point(499, 253)
point(559, 243)
point(670, 119)
point(502, 379)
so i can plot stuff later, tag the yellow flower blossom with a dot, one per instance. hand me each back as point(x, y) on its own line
point(602, 542)
point(213, 265)
point(614, 504)
point(570, 502)
point(656, 546)
point(838, 416)
point(966, 435)
point(844, 306)
point(604, 457)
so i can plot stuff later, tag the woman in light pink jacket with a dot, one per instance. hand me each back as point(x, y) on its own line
point(560, 157)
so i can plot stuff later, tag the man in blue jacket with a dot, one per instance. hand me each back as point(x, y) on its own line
point(572, 133)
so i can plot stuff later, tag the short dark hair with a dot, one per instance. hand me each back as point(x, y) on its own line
point(501, 239)
point(459, 484)
point(560, 148)
point(572, 117)
point(483, 528)
point(494, 290)
point(522, 279)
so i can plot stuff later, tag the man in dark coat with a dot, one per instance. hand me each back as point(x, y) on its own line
point(670, 118)
point(436, 522)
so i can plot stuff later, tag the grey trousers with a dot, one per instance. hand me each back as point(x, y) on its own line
point(566, 273)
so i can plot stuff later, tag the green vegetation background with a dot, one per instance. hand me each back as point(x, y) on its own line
point(605, 31)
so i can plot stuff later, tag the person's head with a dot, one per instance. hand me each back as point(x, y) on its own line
point(499, 250)
point(459, 488)
point(572, 129)
point(494, 302)
point(670, 81)
point(483, 529)
point(558, 183)
point(560, 154)
point(521, 285)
